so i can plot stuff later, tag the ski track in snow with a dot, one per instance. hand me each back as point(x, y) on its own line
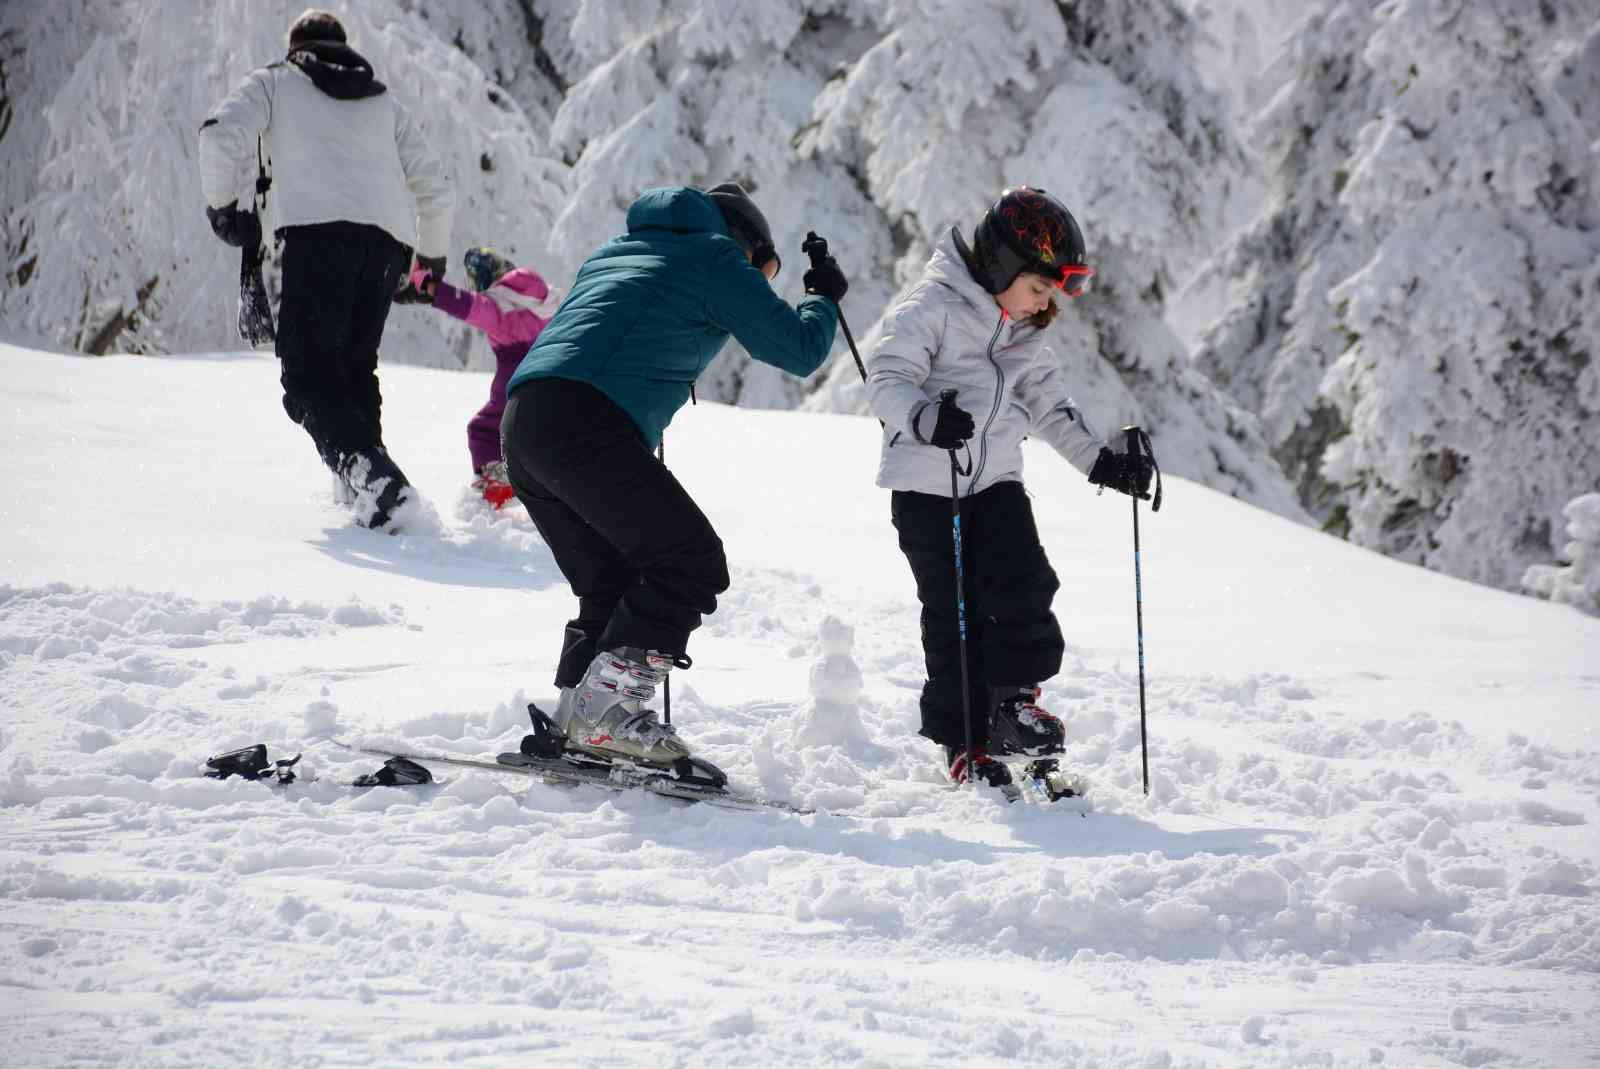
point(1298, 856)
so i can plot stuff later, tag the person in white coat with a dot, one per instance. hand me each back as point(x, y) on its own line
point(961, 374)
point(353, 189)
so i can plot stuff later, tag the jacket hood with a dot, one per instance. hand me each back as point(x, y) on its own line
point(336, 69)
point(948, 268)
point(525, 281)
point(678, 208)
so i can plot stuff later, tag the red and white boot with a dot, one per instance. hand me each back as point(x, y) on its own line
point(493, 483)
point(986, 768)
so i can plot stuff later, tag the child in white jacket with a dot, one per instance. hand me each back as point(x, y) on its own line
point(961, 373)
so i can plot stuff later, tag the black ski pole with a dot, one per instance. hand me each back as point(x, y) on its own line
point(817, 249)
point(666, 684)
point(1139, 442)
point(961, 594)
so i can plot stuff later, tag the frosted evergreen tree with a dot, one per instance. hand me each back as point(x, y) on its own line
point(699, 92)
point(1416, 315)
point(1096, 102)
point(106, 240)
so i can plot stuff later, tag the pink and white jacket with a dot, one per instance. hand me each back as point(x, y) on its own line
point(511, 312)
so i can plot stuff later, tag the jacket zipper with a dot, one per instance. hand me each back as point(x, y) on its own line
point(999, 395)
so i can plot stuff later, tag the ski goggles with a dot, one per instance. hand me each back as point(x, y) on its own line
point(1074, 280)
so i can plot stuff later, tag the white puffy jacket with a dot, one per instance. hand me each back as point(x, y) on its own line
point(357, 161)
point(948, 333)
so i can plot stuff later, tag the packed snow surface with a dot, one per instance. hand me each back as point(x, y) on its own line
point(1369, 838)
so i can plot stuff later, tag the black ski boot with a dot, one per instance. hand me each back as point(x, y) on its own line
point(1018, 727)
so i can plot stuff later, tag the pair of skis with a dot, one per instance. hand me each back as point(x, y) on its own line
point(544, 755)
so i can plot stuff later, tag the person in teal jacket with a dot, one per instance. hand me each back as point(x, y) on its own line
point(585, 411)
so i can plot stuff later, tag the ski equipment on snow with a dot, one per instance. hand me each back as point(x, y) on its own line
point(396, 772)
point(544, 755)
point(250, 762)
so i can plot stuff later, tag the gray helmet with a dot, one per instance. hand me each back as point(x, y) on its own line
point(746, 224)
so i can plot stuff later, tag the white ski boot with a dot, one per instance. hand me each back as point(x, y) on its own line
point(604, 714)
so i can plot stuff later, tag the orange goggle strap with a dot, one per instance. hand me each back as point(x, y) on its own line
point(1074, 279)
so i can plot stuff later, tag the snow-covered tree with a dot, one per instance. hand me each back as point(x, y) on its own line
point(106, 240)
point(1406, 326)
point(698, 92)
point(1416, 314)
point(1099, 103)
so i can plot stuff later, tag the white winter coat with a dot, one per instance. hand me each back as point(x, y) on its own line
point(357, 161)
point(948, 333)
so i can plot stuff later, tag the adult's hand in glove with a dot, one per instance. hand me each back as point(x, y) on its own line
point(826, 279)
point(233, 227)
point(423, 281)
point(951, 424)
point(1126, 473)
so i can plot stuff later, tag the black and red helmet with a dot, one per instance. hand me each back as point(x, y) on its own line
point(1029, 230)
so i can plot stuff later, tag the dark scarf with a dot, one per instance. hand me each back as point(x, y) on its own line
point(336, 69)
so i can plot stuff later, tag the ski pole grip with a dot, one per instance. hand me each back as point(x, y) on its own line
point(1139, 445)
point(814, 247)
point(946, 396)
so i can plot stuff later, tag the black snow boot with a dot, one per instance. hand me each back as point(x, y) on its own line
point(378, 484)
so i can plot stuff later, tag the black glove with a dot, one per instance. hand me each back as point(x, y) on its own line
point(826, 279)
point(236, 228)
point(424, 269)
point(434, 265)
point(1126, 473)
point(952, 426)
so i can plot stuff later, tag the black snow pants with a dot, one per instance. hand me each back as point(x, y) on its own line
point(1012, 636)
point(637, 551)
point(338, 279)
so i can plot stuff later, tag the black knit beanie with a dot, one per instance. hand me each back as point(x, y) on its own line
point(316, 25)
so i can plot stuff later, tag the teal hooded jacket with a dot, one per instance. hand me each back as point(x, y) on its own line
point(651, 308)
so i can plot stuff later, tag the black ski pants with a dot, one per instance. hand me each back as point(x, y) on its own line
point(1012, 636)
point(338, 279)
point(637, 551)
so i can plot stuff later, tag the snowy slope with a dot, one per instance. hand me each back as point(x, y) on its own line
point(1370, 836)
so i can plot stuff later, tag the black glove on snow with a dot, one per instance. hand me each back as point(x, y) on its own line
point(826, 279)
point(952, 426)
point(1126, 473)
point(236, 228)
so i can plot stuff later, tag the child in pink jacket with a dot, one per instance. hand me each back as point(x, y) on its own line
point(511, 305)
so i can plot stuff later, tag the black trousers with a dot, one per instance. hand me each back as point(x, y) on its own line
point(642, 558)
point(338, 279)
point(1012, 636)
